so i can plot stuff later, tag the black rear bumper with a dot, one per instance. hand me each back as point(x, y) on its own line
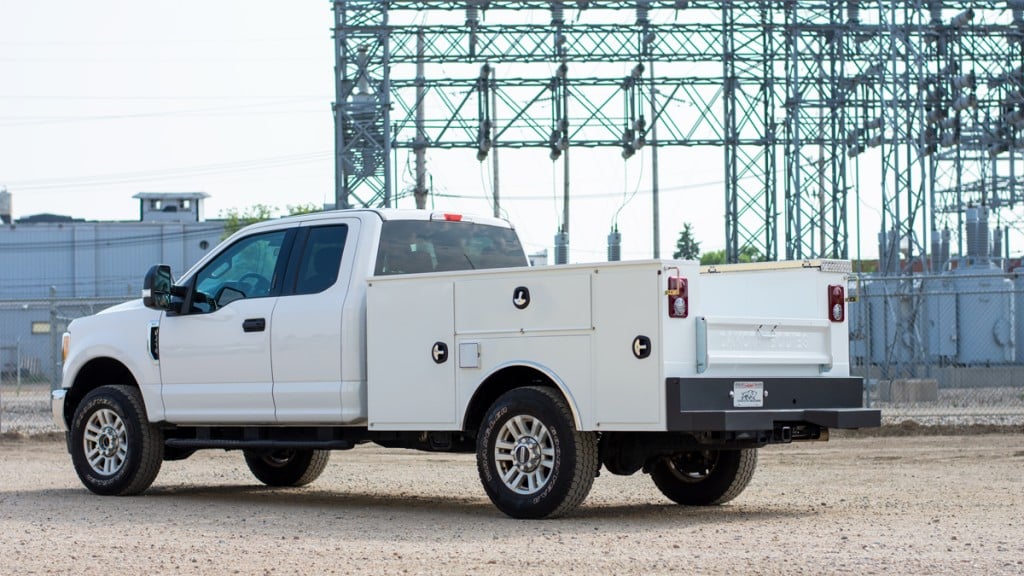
point(707, 405)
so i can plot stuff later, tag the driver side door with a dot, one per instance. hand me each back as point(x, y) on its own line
point(215, 356)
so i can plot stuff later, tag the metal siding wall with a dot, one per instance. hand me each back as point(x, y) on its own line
point(35, 258)
point(124, 254)
point(84, 262)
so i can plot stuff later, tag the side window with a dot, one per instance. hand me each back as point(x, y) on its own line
point(246, 269)
point(321, 258)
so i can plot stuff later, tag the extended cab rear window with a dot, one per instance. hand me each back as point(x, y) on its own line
point(417, 246)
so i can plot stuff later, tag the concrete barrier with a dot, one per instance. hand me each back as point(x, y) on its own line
point(908, 390)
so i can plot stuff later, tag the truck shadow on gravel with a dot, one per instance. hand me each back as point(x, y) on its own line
point(213, 502)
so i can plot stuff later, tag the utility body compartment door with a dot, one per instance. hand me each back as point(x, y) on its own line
point(411, 354)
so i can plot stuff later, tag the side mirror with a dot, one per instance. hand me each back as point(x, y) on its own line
point(157, 287)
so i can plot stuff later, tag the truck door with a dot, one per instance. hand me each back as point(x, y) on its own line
point(307, 337)
point(215, 356)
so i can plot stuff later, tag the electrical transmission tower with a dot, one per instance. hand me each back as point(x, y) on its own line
point(813, 103)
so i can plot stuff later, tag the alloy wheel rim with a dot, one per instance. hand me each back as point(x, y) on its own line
point(524, 453)
point(105, 442)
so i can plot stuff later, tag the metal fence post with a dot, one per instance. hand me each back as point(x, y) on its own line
point(17, 365)
point(55, 359)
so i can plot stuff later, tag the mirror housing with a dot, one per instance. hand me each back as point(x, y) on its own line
point(157, 287)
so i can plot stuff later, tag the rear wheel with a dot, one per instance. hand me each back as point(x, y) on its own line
point(286, 467)
point(532, 461)
point(115, 450)
point(704, 477)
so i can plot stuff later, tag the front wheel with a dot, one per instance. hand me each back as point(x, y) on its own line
point(532, 461)
point(115, 450)
point(287, 467)
point(704, 477)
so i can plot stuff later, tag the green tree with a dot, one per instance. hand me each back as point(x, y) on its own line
point(307, 208)
point(747, 254)
point(751, 254)
point(713, 257)
point(235, 219)
point(686, 247)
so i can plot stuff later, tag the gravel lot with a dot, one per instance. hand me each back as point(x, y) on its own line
point(914, 505)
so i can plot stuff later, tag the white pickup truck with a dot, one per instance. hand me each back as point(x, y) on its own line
point(424, 330)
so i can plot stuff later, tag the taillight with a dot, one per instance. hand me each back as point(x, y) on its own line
point(836, 303)
point(678, 297)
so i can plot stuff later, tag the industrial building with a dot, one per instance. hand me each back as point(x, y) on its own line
point(57, 267)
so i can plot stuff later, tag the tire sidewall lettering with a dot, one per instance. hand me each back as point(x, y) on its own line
point(488, 465)
point(553, 480)
point(553, 491)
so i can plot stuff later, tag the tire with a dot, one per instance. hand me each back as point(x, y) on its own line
point(532, 461)
point(115, 450)
point(704, 478)
point(287, 467)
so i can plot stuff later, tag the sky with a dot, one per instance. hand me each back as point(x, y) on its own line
point(101, 100)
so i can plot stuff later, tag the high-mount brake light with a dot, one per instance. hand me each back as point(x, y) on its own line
point(836, 303)
point(453, 217)
point(678, 297)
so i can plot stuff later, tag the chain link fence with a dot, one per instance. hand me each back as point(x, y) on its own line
point(30, 357)
point(941, 350)
point(937, 350)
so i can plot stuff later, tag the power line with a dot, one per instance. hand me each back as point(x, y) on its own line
point(234, 109)
point(169, 173)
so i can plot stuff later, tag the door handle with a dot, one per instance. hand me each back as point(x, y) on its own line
point(254, 325)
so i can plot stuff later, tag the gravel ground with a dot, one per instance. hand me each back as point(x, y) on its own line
point(892, 505)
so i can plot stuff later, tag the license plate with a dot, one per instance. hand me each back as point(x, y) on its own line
point(748, 394)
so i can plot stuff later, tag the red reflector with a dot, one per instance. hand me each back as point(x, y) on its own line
point(836, 303)
point(453, 217)
point(678, 297)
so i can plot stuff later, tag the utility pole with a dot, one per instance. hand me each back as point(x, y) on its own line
point(494, 145)
point(420, 193)
point(656, 223)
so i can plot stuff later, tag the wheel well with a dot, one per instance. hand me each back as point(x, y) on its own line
point(497, 384)
point(97, 372)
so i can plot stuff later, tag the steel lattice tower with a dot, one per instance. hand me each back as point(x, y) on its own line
point(915, 106)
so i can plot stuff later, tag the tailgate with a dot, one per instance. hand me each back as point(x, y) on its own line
point(732, 341)
point(772, 319)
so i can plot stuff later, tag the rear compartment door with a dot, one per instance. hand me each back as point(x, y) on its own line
point(411, 354)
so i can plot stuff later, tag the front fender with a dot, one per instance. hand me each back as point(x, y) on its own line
point(121, 334)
